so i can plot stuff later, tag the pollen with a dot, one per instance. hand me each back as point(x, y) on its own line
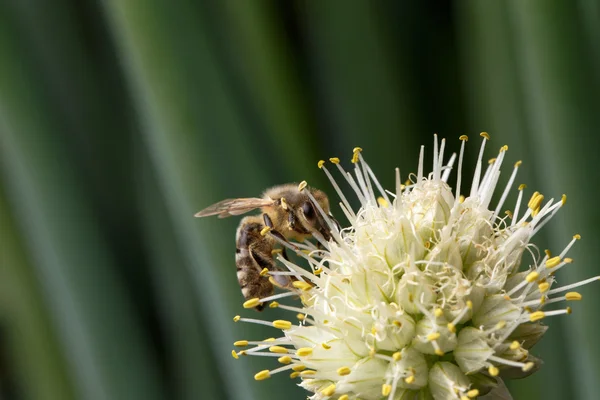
point(493, 371)
point(382, 202)
point(285, 359)
point(265, 271)
point(386, 389)
point(532, 276)
point(553, 262)
point(433, 336)
point(262, 375)
point(464, 138)
point(304, 351)
point(343, 371)
point(515, 345)
point(278, 349)
point(543, 287)
point(485, 135)
point(265, 230)
point(536, 316)
point(241, 343)
point(298, 367)
point(321, 163)
point(325, 346)
point(302, 185)
point(302, 285)
point(273, 304)
point(294, 375)
point(236, 318)
point(473, 393)
point(344, 397)
point(397, 356)
point(252, 303)
point(573, 296)
point(282, 324)
point(234, 354)
point(329, 390)
point(334, 160)
point(308, 372)
point(409, 379)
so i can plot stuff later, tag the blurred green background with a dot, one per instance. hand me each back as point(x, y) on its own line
point(121, 118)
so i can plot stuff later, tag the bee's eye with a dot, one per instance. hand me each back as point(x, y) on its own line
point(308, 210)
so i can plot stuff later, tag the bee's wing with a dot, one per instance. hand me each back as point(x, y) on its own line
point(229, 207)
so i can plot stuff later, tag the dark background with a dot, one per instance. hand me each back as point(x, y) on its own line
point(121, 118)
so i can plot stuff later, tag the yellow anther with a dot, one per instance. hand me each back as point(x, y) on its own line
point(543, 287)
point(265, 271)
point(344, 397)
point(373, 330)
point(299, 368)
point(308, 372)
point(461, 199)
point(285, 359)
point(284, 204)
point(262, 375)
point(472, 393)
point(357, 150)
point(409, 379)
point(492, 160)
point(304, 351)
point(234, 354)
point(493, 371)
point(321, 163)
point(397, 356)
point(438, 312)
point(343, 371)
point(470, 304)
point(252, 303)
point(500, 324)
point(518, 164)
point(386, 389)
point(397, 323)
point(536, 201)
point(485, 135)
point(577, 236)
point(236, 318)
point(543, 300)
point(273, 304)
point(569, 310)
point(329, 390)
point(464, 398)
point(334, 160)
point(567, 260)
point(535, 212)
point(528, 366)
point(451, 327)
point(439, 352)
point(302, 186)
point(301, 317)
point(282, 324)
point(548, 253)
point(278, 349)
point(515, 345)
point(325, 346)
point(243, 353)
point(553, 262)
point(536, 316)
point(573, 296)
point(433, 336)
point(382, 202)
point(265, 230)
point(563, 199)
point(427, 244)
point(464, 138)
point(318, 271)
point(509, 213)
point(522, 186)
point(241, 343)
point(294, 375)
point(532, 276)
point(504, 148)
point(302, 285)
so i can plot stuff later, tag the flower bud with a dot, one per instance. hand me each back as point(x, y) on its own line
point(447, 382)
point(472, 350)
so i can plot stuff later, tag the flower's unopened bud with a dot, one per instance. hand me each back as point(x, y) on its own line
point(447, 381)
point(434, 338)
point(496, 309)
point(415, 288)
point(472, 351)
point(528, 334)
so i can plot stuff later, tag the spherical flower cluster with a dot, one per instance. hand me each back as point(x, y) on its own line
point(424, 295)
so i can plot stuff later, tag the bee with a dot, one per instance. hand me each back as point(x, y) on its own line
point(288, 213)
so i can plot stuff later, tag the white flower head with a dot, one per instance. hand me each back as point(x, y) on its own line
point(423, 295)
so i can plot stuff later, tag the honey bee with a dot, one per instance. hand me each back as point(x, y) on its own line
point(288, 213)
